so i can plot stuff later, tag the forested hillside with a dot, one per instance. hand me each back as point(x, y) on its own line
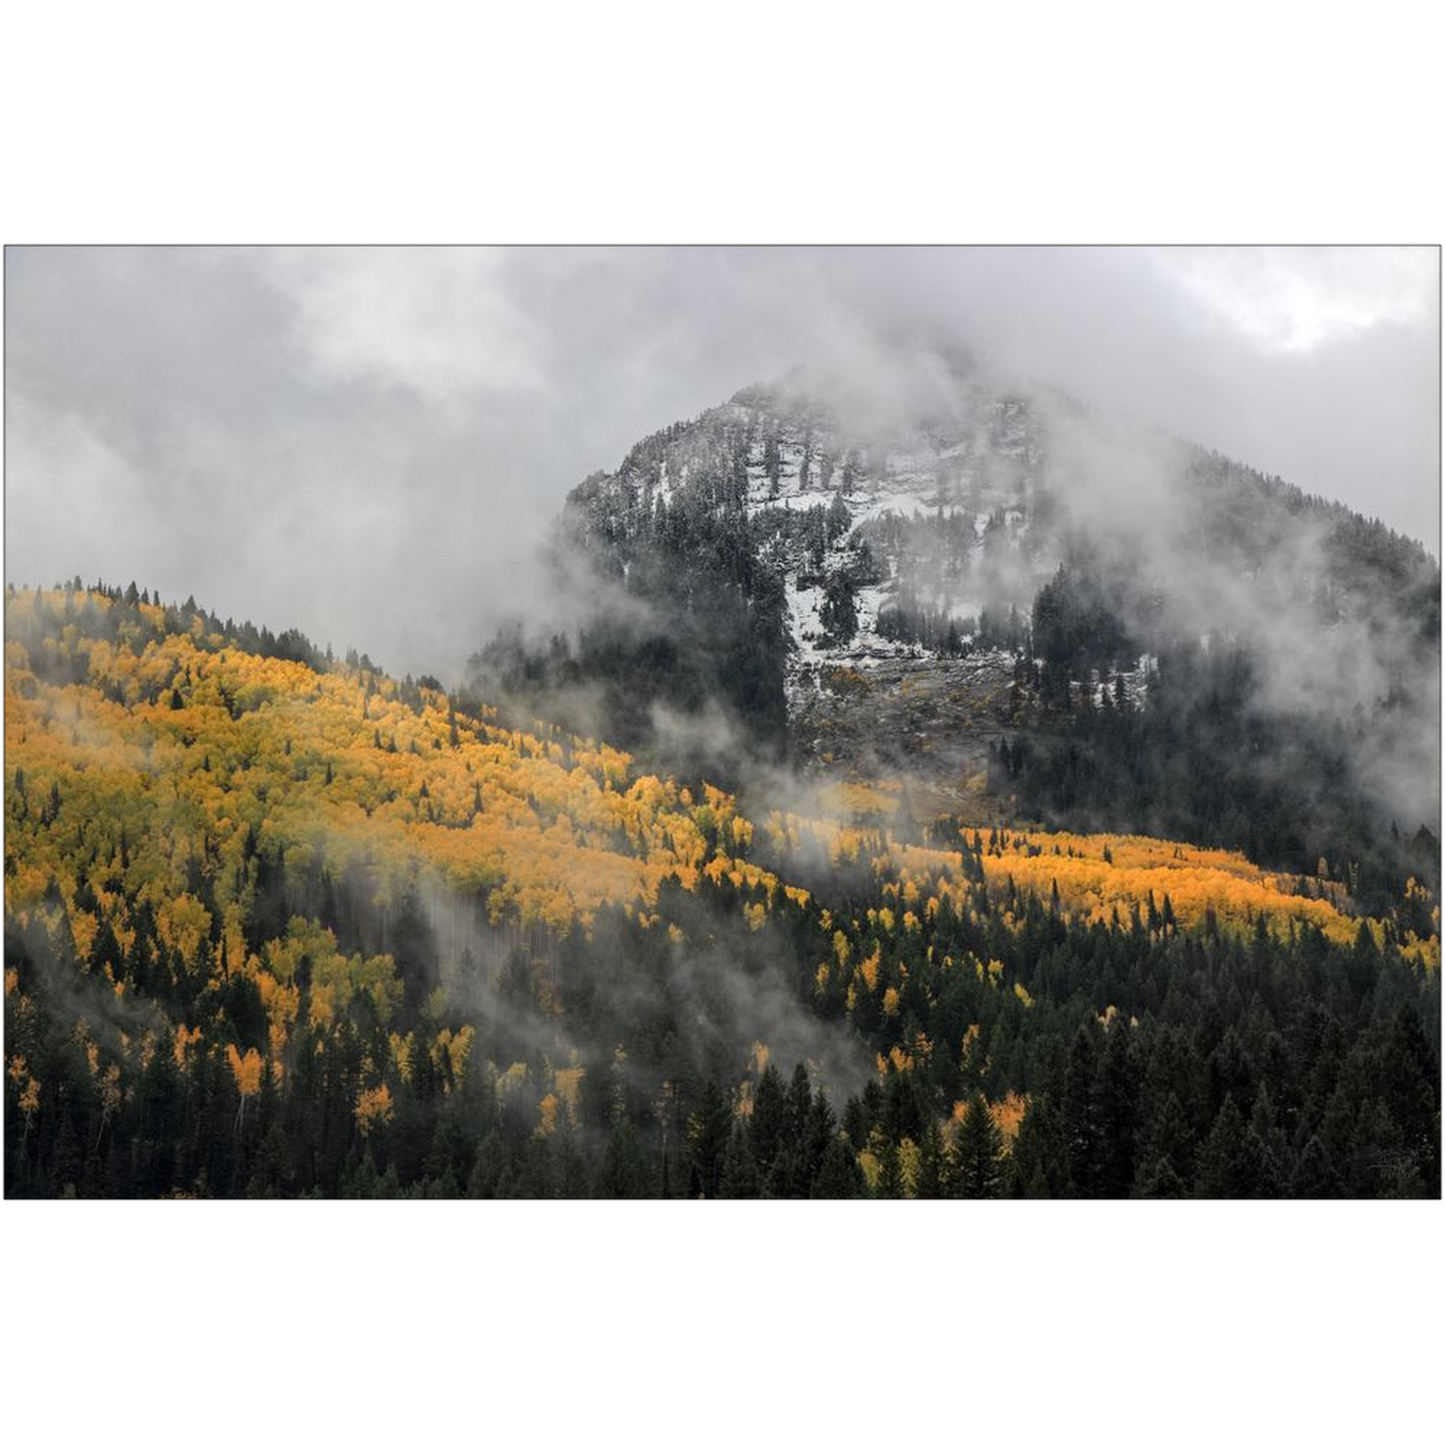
point(277, 924)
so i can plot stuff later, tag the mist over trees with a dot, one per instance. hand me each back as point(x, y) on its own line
point(1143, 904)
point(1224, 625)
point(283, 926)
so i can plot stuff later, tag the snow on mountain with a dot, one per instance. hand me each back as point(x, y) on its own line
point(936, 515)
point(878, 585)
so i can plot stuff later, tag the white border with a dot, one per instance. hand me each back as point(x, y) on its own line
point(166, 122)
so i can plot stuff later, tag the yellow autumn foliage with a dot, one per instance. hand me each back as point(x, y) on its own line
point(373, 1108)
point(246, 1069)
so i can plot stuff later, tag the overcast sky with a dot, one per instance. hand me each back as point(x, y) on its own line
point(369, 444)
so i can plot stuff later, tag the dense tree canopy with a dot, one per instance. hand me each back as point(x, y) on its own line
point(277, 924)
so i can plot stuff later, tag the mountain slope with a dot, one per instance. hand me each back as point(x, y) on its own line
point(281, 926)
point(905, 592)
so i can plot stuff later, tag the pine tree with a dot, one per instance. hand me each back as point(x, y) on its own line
point(890, 1169)
point(1414, 1076)
point(1315, 1175)
point(621, 1174)
point(489, 1173)
point(1036, 1163)
point(790, 1176)
point(1225, 1165)
point(769, 1122)
point(708, 1133)
point(1079, 1117)
point(1116, 1101)
point(1169, 1140)
point(1267, 1149)
point(1160, 1181)
point(772, 462)
point(740, 1178)
point(977, 1154)
point(931, 1163)
point(839, 1177)
point(822, 1127)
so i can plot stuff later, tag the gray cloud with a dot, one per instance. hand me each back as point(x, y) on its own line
point(371, 444)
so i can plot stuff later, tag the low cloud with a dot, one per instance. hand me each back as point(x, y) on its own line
point(371, 444)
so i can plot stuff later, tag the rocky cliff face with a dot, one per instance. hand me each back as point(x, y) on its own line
point(906, 554)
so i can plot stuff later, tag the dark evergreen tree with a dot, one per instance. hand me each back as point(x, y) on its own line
point(709, 1132)
point(976, 1157)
